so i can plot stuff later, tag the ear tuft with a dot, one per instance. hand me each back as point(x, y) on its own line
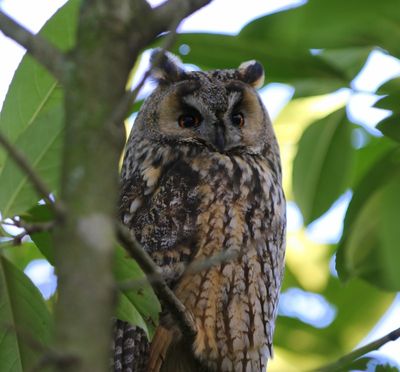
point(252, 72)
point(167, 66)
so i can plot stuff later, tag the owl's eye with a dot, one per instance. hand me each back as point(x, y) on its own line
point(237, 119)
point(189, 120)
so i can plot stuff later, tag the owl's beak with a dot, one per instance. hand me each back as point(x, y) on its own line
point(219, 140)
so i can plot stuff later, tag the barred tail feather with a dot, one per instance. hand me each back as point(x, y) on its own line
point(130, 349)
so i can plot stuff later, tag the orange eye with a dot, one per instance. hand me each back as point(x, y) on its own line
point(189, 121)
point(237, 119)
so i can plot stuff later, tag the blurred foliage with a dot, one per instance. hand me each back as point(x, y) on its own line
point(317, 48)
point(136, 301)
point(25, 322)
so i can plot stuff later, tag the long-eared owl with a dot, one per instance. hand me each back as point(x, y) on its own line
point(201, 177)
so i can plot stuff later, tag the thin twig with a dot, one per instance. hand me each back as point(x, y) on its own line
point(44, 52)
point(31, 228)
point(166, 12)
point(355, 354)
point(36, 181)
point(119, 114)
point(164, 293)
point(193, 268)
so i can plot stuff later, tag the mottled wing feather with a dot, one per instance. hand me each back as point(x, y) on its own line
point(163, 215)
point(130, 349)
point(158, 204)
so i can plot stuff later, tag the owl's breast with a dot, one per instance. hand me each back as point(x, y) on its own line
point(193, 205)
point(242, 211)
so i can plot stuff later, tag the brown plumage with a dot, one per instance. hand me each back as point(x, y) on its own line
point(202, 176)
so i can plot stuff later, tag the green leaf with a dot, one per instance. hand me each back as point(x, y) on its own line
point(367, 156)
point(142, 296)
point(389, 102)
point(389, 87)
point(360, 255)
point(389, 232)
point(348, 61)
point(390, 127)
point(388, 367)
point(369, 247)
point(32, 118)
point(22, 255)
point(43, 240)
point(24, 319)
point(321, 169)
point(282, 42)
point(126, 311)
point(379, 174)
point(362, 24)
point(315, 87)
point(144, 306)
point(17, 193)
point(307, 344)
point(301, 69)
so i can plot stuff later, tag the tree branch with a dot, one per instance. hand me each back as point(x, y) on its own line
point(194, 267)
point(129, 98)
point(154, 273)
point(166, 12)
point(31, 228)
point(38, 184)
point(341, 363)
point(104, 54)
point(44, 52)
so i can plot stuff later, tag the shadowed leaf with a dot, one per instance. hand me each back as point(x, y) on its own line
point(390, 127)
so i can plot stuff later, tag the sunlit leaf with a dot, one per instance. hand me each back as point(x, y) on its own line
point(24, 320)
point(311, 27)
point(32, 118)
point(17, 193)
point(321, 169)
point(22, 254)
point(390, 127)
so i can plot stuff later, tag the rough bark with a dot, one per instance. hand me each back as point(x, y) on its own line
point(110, 36)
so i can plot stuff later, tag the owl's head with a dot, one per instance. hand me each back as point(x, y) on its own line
point(218, 109)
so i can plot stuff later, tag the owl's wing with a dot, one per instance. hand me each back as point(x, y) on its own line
point(160, 206)
point(130, 348)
